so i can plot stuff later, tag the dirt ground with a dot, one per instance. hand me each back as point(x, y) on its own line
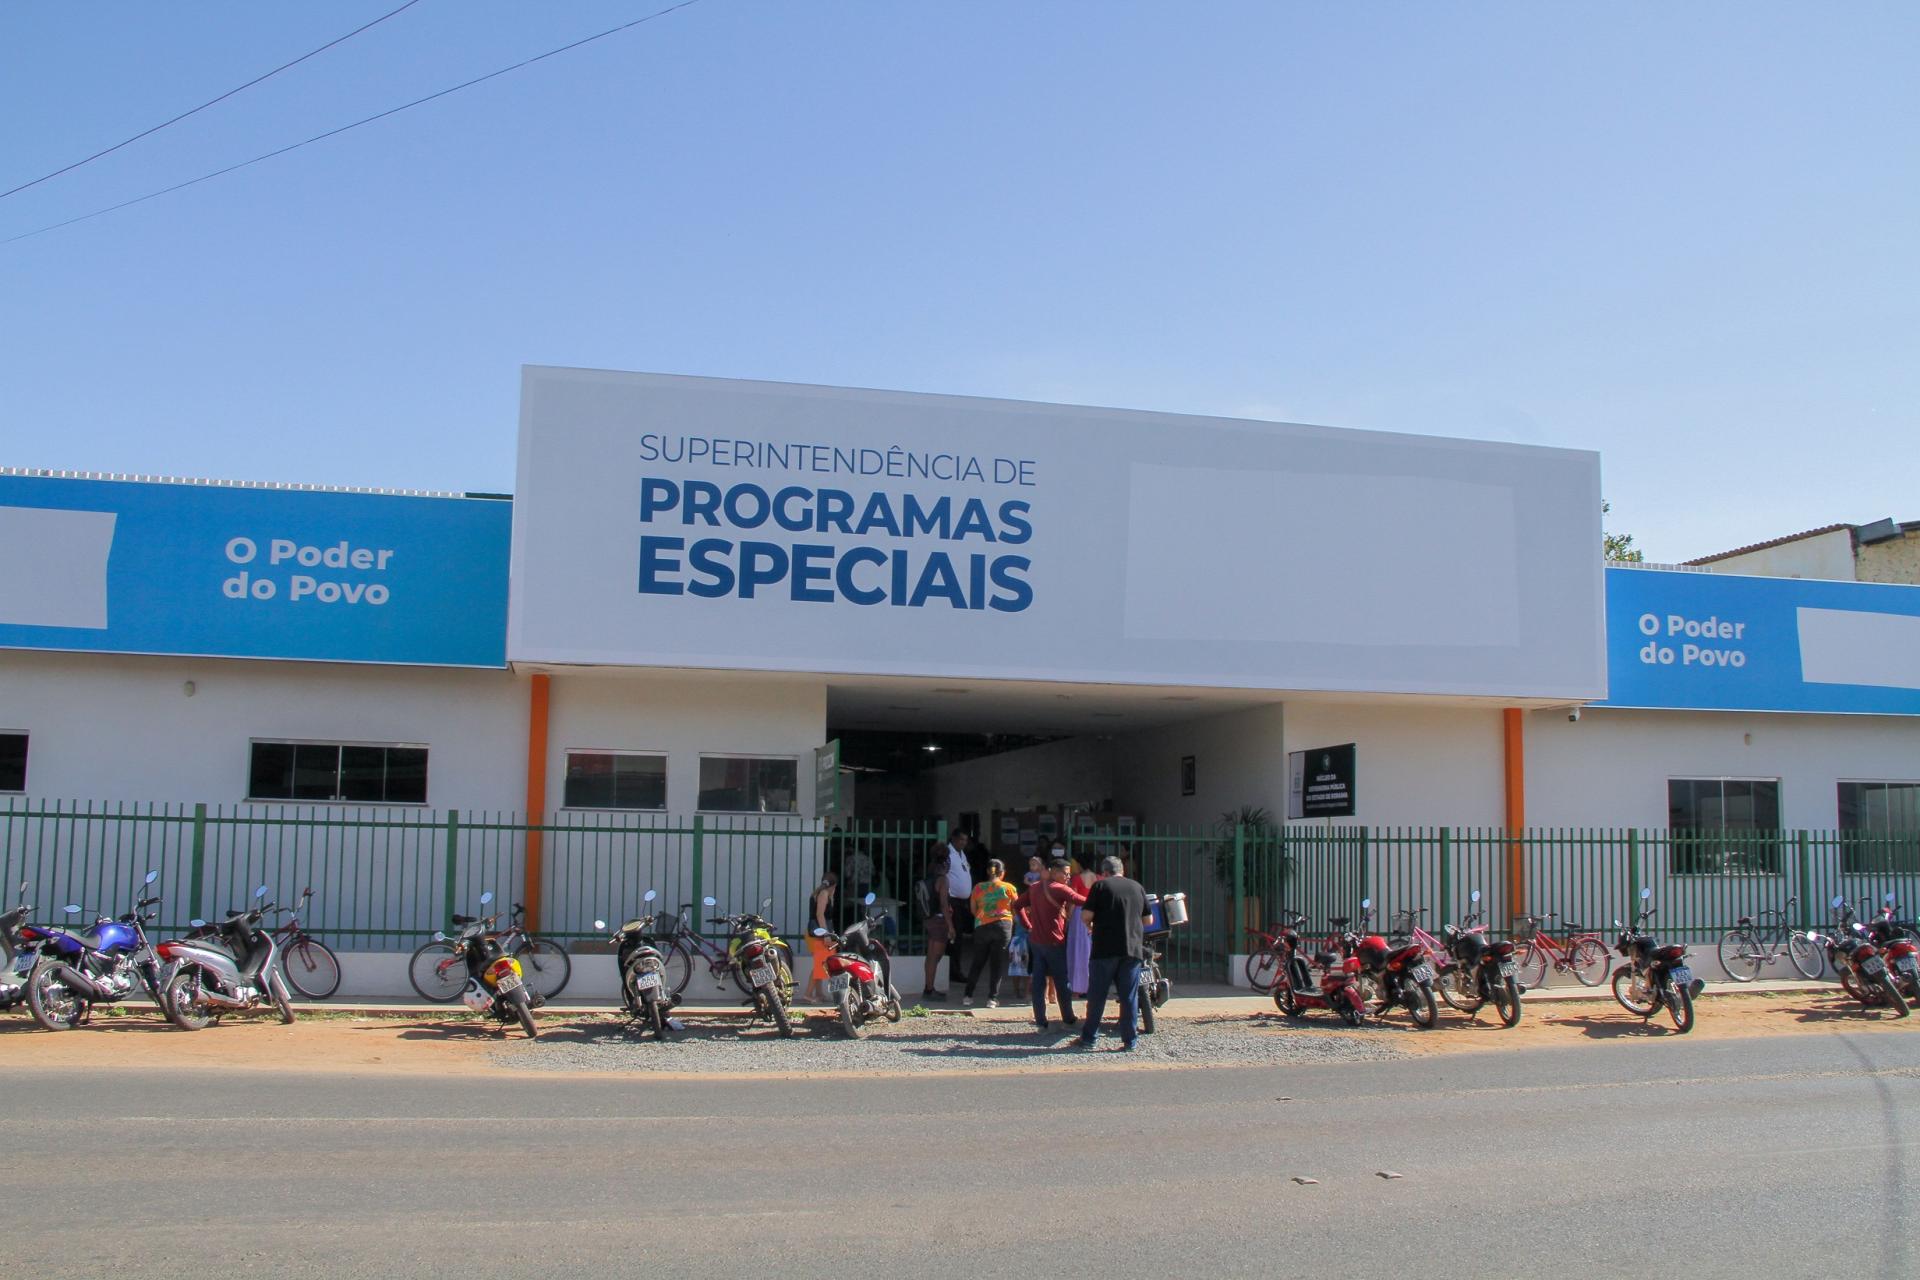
point(449, 1044)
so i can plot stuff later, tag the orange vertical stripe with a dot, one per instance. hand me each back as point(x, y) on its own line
point(1515, 733)
point(536, 794)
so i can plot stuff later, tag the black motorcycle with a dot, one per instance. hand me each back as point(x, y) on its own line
point(1483, 969)
point(644, 991)
point(860, 973)
point(224, 968)
point(17, 953)
point(495, 984)
point(1654, 976)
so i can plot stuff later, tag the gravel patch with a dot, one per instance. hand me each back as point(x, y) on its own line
point(938, 1042)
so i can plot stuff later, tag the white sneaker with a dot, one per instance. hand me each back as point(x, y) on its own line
point(993, 1004)
point(966, 1000)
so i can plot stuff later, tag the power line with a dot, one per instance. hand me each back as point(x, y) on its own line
point(332, 133)
point(210, 102)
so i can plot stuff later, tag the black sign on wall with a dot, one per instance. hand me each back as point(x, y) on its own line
point(1327, 789)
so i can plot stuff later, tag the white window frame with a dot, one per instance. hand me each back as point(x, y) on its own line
point(792, 757)
point(28, 735)
point(665, 757)
point(338, 742)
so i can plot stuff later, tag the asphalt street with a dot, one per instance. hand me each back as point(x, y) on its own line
point(1779, 1157)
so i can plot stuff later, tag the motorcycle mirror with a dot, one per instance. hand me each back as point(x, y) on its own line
point(1616, 922)
point(261, 892)
point(600, 924)
point(72, 908)
point(1646, 893)
point(197, 923)
point(648, 896)
point(1366, 904)
point(152, 876)
point(766, 904)
point(872, 898)
point(438, 936)
point(1888, 899)
point(1474, 896)
point(819, 933)
point(710, 901)
point(1838, 902)
point(486, 897)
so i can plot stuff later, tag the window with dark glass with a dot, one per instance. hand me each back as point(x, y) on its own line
point(1879, 827)
point(749, 784)
point(1724, 826)
point(364, 772)
point(13, 762)
point(615, 780)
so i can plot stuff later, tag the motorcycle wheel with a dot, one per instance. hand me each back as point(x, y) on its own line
point(777, 1005)
point(781, 957)
point(1506, 1002)
point(1457, 988)
point(523, 1010)
point(54, 1005)
point(1890, 995)
point(1420, 1006)
point(657, 1019)
point(894, 1011)
point(1148, 1019)
point(1351, 1011)
point(1622, 985)
point(1679, 1003)
point(1284, 1000)
point(180, 1000)
point(278, 990)
point(849, 1025)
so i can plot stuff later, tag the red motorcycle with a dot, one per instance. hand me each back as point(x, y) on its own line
point(860, 974)
point(1393, 975)
point(1895, 938)
point(1295, 989)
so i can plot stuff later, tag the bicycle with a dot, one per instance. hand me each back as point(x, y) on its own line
point(1448, 976)
point(1754, 944)
point(1584, 954)
point(679, 944)
point(309, 964)
point(438, 974)
point(1265, 961)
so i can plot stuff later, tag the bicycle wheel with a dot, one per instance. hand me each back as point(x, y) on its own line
point(1589, 961)
point(1741, 955)
point(1263, 967)
point(544, 965)
point(1530, 964)
point(436, 973)
point(311, 968)
point(1806, 957)
point(676, 967)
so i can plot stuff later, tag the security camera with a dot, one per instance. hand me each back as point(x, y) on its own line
point(1573, 715)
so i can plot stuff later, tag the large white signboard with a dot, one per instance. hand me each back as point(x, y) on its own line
point(691, 522)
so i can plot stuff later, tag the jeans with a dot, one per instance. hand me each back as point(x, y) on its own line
point(1049, 962)
point(1123, 974)
point(990, 956)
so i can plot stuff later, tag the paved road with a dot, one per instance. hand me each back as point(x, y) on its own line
point(1775, 1157)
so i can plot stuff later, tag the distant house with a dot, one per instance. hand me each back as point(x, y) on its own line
point(1884, 551)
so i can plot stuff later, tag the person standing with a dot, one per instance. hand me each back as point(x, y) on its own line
point(1048, 905)
point(856, 877)
point(992, 902)
point(1117, 910)
point(936, 914)
point(820, 916)
point(960, 902)
point(1079, 941)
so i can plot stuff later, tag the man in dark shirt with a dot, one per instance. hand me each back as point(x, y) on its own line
point(1117, 910)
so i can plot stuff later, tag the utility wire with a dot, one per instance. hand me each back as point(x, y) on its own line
point(211, 102)
point(331, 133)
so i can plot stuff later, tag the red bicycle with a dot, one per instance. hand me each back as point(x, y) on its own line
point(1584, 954)
point(310, 966)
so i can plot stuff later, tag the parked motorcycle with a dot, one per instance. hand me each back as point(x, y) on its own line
point(1482, 969)
point(756, 952)
point(17, 952)
point(1896, 939)
point(860, 973)
point(77, 969)
point(224, 968)
point(1654, 976)
point(1295, 987)
point(495, 984)
point(1393, 975)
point(1860, 964)
point(644, 992)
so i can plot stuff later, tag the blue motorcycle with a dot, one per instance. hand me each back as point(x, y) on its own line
point(78, 969)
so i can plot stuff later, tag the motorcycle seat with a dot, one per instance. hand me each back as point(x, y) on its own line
point(1339, 922)
point(463, 919)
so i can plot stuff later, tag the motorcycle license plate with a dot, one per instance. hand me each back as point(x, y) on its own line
point(646, 982)
point(761, 975)
point(506, 984)
point(1506, 969)
point(1681, 976)
point(837, 983)
point(1873, 966)
point(1906, 964)
point(1423, 973)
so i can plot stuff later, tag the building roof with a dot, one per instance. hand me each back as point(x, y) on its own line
point(46, 473)
point(1770, 542)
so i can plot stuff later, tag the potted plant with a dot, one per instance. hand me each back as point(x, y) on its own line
point(1265, 862)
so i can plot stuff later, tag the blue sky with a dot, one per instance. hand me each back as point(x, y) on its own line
point(1682, 235)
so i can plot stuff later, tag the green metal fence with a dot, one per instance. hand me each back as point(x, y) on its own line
point(384, 878)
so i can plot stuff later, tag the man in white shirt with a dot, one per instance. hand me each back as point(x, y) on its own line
point(960, 898)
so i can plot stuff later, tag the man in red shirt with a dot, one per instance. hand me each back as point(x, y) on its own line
point(1044, 907)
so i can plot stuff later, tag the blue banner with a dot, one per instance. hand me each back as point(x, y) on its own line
point(1719, 642)
point(136, 567)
